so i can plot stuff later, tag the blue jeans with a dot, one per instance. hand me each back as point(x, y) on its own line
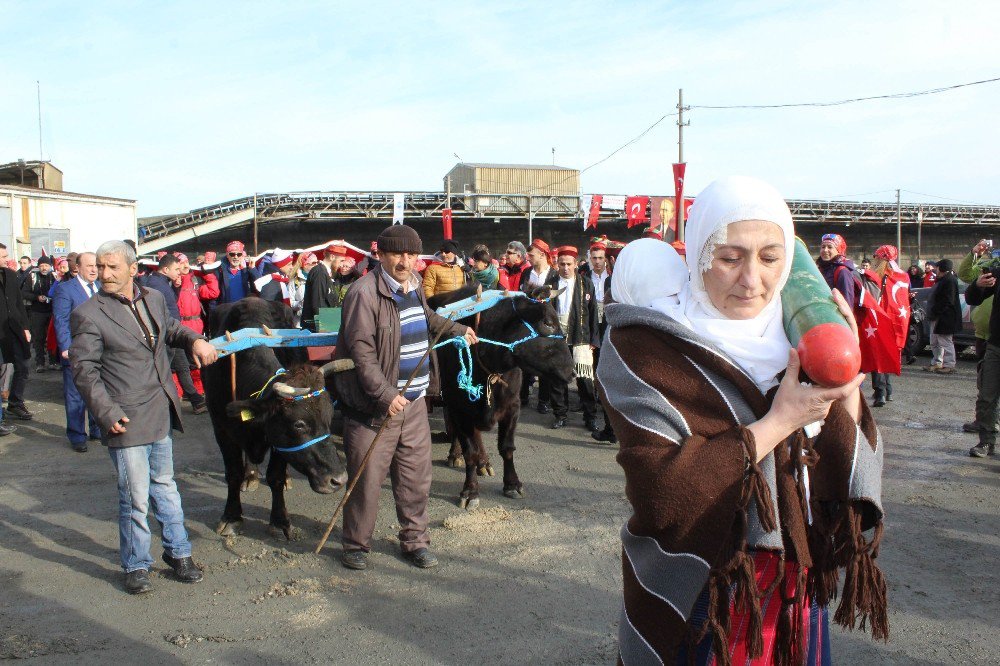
point(77, 417)
point(147, 473)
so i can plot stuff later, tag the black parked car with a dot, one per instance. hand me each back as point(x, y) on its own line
point(919, 335)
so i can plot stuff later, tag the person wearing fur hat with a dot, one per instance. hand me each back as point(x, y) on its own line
point(386, 330)
point(320, 292)
point(839, 271)
point(944, 311)
point(576, 308)
point(447, 274)
point(36, 290)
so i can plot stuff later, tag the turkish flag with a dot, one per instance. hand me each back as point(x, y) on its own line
point(595, 211)
point(446, 223)
point(679, 170)
point(635, 210)
point(877, 332)
point(895, 301)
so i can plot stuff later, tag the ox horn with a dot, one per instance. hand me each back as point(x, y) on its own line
point(340, 365)
point(286, 391)
point(553, 295)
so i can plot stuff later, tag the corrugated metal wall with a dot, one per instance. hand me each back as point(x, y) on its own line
point(514, 185)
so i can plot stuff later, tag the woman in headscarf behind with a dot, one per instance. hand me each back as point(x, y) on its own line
point(838, 270)
point(740, 521)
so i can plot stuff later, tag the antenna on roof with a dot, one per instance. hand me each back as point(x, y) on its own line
point(553, 156)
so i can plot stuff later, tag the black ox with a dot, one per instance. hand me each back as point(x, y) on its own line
point(498, 370)
point(285, 415)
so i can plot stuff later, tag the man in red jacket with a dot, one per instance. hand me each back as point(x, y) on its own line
point(195, 291)
point(510, 273)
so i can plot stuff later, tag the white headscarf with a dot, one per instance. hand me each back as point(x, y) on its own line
point(758, 345)
point(646, 270)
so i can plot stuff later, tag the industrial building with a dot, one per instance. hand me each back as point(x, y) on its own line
point(496, 189)
point(33, 217)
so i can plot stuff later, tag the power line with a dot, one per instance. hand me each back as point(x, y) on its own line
point(857, 194)
point(961, 201)
point(604, 159)
point(918, 93)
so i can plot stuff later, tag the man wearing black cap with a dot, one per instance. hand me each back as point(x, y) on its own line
point(385, 329)
point(36, 291)
point(447, 274)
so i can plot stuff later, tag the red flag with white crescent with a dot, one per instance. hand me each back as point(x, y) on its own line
point(595, 211)
point(877, 336)
point(635, 210)
point(896, 301)
point(679, 170)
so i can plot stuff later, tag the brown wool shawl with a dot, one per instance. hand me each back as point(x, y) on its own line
point(679, 406)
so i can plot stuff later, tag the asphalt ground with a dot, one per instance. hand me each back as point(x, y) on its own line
point(533, 580)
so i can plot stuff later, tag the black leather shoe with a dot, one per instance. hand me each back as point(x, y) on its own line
point(972, 427)
point(184, 569)
point(605, 436)
point(137, 582)
point(200, 408)
point(879, 402)
point(80, 448)
point(7, 429)
point(355, 559)
point(421, 558)
point(559, 423)
point(20, 412)
point(543, 408)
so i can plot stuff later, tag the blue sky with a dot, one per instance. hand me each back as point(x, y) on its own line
point(184, 104)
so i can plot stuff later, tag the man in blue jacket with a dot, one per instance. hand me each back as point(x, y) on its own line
point(68, 295)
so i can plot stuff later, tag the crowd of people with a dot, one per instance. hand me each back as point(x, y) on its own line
point(309, 281)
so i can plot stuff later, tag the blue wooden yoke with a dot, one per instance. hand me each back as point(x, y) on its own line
point(247, 338)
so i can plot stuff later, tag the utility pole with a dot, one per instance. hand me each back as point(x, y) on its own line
point(679, 202)
point(899, 225)
point(553, 156)
point(255, 224)
point(920, 223)
point(41, 159)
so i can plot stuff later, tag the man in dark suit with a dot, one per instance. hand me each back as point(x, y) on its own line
point(15, 337)
point(576, 308)
point(70, 294)
point(122, 370)
point(319, 286)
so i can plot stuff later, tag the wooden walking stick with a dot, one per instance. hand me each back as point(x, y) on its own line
point(371, 448)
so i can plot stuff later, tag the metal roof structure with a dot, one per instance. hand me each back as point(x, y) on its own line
point(540, 167)
point(166, 231)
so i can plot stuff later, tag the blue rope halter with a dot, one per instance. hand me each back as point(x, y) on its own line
point(465, 383)
point(305, 445)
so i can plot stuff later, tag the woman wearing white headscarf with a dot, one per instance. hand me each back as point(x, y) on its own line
point(647, 270)
point(741, 523)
